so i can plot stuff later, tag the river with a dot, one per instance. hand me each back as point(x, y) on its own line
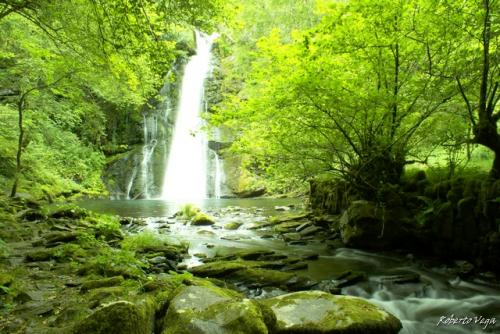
point(439, 302)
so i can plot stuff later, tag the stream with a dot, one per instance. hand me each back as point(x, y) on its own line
point(439, 302)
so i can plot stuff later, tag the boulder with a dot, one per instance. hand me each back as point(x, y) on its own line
point(320, 312)
point(233, 225)
point(370, 226)
point(210, 310)
point(121, 317)
point(201, 219)
point(360, 225)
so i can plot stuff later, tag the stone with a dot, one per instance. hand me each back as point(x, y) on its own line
point(210, 310)
point(201, 219)
point(349, 277)
point(224, 268)
point(120, 317)
point(292, 236)
point(233, 225)
point(206, 233)
point(318, 312)
point(157, 260)
point(101, 283)
point(365, 225)
point(281, 208)
point(52, 239)
point(42, 254)
point(310, 230)
point(401, 279)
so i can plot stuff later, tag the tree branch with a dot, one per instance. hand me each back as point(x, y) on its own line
point(467, 102)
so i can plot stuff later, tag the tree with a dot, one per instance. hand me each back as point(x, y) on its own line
point(348, 97)
point(477, 78)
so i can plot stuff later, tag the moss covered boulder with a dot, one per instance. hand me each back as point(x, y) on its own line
point(202, 219)
point(320, 312)
point(121, 317)
point(209, 309)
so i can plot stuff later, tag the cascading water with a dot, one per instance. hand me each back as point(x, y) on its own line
point(186, 173)
point(150, 141)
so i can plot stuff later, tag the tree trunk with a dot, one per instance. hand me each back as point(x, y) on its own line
point(495, 169)
point(20, 140)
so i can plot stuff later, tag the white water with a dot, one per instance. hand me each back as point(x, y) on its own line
point(150, 141)
point(186, 172)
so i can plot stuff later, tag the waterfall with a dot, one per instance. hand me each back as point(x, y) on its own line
point(150, 141)
point(186, 170)
point(219, 176)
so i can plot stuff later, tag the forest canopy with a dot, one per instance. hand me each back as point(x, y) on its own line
point(362, 89)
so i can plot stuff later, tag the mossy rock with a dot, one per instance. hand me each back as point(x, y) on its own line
point(69, 211)
point(233, 225)
point(320, 312)
point(224, 268)
point(120, 317)
point(44, 254)
point(206, 310)
point(202, 219)
point(101, 283)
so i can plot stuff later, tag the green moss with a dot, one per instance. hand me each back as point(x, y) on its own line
point(321, 312)
point(202, 219)
point(188, 211)
point(222, 268)
point(121, 317)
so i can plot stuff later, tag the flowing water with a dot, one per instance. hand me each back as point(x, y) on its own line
point(186, 171)
point(438, 296)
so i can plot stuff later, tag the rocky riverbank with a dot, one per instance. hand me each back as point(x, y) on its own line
point(67, 270)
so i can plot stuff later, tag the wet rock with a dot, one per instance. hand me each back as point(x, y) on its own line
point(251, 193)
point(258, 277)
point(366, 225)
point(233, 225)
point(169, 251)
point(223, 268)
point(71, 314)
point(157, 260)
point(254, 255)
point(96, 296)
point(121, 317)
point(303, 226)
point(328, 286)
point(401, 279)
point(281, 208)
point(295, 266)
point(464, 269)
point(348, 278)
point(101, 283)
point(291, 237)
point(206, 232)
point(201, 219)
point(289, 217)
point(71, 212)
point(42, 254)
point(310, 230)
point(210, 310)
point(320, 312)
point(54, 238)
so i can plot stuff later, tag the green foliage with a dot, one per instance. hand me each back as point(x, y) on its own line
point(4, 249)
point(80, 73)
point(144, 239)
point(368, 88)
point(111, 262)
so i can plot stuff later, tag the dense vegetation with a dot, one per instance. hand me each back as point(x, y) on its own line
point(361, 89)
point(73, 79)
